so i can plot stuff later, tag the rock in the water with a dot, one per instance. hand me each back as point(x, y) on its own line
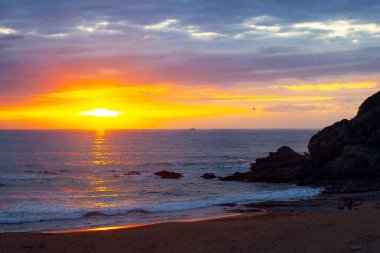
point(168, 174)
point(238, 176)
point(281, 166)
point(285, 165)
point(228, 204)
point(133, 172)
point(209, 176)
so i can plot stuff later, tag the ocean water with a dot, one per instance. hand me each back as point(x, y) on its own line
point(58, 180)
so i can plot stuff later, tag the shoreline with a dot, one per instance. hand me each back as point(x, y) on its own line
point(319, 203)
point(118, 222)
point(120, 227)
point(314, 203)
point(323, 224)
point(318, 225)
point(98, 220)
point(219, 211)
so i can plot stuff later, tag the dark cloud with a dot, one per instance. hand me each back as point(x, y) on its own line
point(13, 37)
point(47, 39)
point(191, 69)
point(54, 16)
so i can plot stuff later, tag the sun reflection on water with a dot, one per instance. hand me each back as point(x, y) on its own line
point(102, 186)
point(100, 153)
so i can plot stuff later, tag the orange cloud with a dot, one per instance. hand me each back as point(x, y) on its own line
point(175, 106)
point(331, 86)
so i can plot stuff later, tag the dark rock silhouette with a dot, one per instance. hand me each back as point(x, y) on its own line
point(132, 172)
point(228, 204)
point(371, 104)
point(164, 174)
point(284, 165)
point(340, 154)
point(350, 148)
point(208, 176)
point(239, 176)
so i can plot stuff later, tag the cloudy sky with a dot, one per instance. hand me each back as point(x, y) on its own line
point(189, 63)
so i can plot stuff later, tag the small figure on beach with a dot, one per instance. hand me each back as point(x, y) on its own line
point(350, 203)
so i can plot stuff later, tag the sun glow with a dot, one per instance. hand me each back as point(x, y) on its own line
point(176, 106)
point(100, 112)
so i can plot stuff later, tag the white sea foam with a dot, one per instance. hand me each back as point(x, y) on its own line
point(39, 212)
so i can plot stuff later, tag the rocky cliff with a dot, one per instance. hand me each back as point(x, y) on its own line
point(345, 151)
point(349, 148)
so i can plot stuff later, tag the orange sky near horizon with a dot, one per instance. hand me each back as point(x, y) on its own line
point(170, 106)
point(192, 64)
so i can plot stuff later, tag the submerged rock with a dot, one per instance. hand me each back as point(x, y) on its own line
point(228, 204)
point(238, 176)
point(132, 172)
point(208, 176)
point(164, 174)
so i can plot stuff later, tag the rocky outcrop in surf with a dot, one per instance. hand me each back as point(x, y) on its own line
point(208, 176)
point(132, 172)
point(164, 174)
point(284, 165)
point(347, 150)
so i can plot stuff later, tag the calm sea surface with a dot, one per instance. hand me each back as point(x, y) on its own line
point(55, 180)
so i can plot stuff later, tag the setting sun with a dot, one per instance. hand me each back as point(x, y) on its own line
point(119, 114)
point(100, 112)
point(181, 72)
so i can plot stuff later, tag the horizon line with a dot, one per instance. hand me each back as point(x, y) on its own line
point(147, 129)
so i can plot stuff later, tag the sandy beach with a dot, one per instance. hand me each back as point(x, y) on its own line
point(325, 225)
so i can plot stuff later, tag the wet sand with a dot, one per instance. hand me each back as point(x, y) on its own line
point(315, 229)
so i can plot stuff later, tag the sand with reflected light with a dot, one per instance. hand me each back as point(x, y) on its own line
point(95, 229)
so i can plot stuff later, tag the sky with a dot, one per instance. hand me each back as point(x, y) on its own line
point(186, 63)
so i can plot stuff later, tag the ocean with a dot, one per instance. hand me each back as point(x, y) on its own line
point(52, 180)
